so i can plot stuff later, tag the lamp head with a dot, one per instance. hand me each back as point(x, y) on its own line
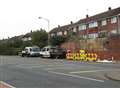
point(39, 17)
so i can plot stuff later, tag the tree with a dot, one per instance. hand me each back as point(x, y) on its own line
point(17, 43)
point(40, 38)
point(57, 40)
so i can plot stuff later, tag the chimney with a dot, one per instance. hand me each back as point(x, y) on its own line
point(109, 8)
point(87, 16)
point(71, 22)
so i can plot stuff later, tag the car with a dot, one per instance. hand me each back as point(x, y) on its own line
point(45, 51)
point(31, 51)
point(58, 52)
point(53, 52)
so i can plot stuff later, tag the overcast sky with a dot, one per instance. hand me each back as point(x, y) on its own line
point(21, 16)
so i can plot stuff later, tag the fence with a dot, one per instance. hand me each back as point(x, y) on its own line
point(81, 56)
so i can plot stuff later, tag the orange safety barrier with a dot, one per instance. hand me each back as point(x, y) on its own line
point(82, 56)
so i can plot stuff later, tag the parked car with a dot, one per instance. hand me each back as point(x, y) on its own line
point(53, 52)
point(45, 52)
point(31, 51)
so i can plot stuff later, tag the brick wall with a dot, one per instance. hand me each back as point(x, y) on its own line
point(109, 55)
point(72, 46)
point(113, 43)
point(109, 51)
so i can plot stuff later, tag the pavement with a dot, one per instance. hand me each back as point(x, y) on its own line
point(113, 75)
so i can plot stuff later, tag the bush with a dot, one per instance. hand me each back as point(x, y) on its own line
point(9, 51)
point(57, 40)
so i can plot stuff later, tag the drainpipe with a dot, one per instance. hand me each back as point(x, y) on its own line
point(87, 34)
point(118, 30)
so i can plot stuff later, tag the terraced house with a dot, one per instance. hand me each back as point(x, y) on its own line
point(99, 33)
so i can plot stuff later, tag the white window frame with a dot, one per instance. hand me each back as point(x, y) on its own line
point(93, 35)
point(114, 19)
point(74, 29)
point(93, 24)
point(103, 34)
point(59, 33)
point(104, 22)
point(113, 31)
point(52, 34)
point(29, 38)
point(84, 36)
point(82, 27)
point(65, 32)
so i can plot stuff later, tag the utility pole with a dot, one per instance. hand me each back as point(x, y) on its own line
point(48, 27)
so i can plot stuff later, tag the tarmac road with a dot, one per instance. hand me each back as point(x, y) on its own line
point(36, 72)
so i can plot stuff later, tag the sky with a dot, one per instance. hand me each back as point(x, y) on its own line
point(19, 17)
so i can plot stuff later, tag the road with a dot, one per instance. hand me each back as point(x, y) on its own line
point(36, 72)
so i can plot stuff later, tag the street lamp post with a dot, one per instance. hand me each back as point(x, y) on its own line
point(48, 27)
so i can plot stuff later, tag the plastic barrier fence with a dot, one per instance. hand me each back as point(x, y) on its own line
point(82, 56)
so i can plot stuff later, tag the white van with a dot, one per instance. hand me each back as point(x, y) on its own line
point(31, 51)
point(53, 52)
point(45, 52)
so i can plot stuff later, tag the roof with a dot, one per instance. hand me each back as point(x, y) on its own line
point(27, 35)
point(102, 15)
point(60, 28)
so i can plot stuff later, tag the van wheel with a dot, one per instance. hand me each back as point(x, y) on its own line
point(42, 56)
point(28, 55)
point(22, 55)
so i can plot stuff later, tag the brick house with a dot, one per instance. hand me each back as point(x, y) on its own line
point(95, 33)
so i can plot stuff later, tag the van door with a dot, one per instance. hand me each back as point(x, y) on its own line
point(45, 52)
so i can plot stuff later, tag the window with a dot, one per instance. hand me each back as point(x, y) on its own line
point(52, 34)
point(43, 49)
point(29, 38)
point(104, 22)
point(74, 30)
point(47, 49)
point(82, 27)
point(84, 36)
point(113, 19)
point(93, 36)
point(81, 37)
point(35, 49)
point(113, 32)
point(103, 34)
point(65, 32)
point(93, 24)
point(59, 33)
